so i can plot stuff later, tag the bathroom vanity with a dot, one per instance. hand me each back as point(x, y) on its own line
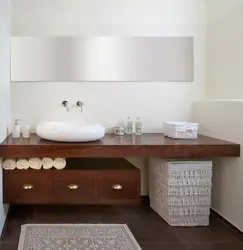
point(82, 181)
point(96, 172)
point(113, 146)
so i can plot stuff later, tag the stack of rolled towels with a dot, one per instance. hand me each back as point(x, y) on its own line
point(33, 163)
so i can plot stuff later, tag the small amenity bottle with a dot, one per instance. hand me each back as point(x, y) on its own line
point(129, 126)
point(16, 129)
point(26, 131)
point(138, 126)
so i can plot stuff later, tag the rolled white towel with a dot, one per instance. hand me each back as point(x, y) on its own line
point(47, 163)
point(59, 163)
point(22, 163)
point(35, 163)
point(9, 164)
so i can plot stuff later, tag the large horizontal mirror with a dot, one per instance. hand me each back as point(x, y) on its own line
point(102, 59)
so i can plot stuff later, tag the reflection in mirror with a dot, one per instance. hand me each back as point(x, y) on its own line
point(102, 59)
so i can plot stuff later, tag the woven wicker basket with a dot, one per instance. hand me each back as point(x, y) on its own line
point(180, 191)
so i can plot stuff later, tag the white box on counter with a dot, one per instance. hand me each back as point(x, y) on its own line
point(181, 130)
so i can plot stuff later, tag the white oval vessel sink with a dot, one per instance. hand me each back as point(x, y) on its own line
point(70, 131)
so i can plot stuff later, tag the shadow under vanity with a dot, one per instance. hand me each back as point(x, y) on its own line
point(96, 172)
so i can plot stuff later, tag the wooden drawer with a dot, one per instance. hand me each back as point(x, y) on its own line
point(32, 188)
point(83, 181)
point(119, 187)
point(74, 187)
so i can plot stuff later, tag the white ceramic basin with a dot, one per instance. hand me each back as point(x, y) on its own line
point(70, 131)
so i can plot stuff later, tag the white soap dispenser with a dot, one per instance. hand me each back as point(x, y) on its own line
point(138, 126)
point(16, 129)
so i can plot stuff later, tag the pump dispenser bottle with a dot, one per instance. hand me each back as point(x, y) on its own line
point(16, 129)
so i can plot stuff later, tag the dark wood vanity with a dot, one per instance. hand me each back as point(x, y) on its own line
point(113, 146)
point(83, 181)
point(96, 172)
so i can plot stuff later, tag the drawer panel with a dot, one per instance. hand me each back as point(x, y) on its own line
point(27, 187)
point(83, 181)
point(119, 187)
point(74, 187)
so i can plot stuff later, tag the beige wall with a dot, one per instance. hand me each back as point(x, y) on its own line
point(221, 116)
point(225, 49)
point(223, 119)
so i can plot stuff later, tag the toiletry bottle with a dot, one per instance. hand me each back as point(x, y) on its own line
point(138, 126)
point(26, 131)
point(16, 129)
point(129, 126)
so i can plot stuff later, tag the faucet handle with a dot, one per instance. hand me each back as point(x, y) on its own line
point(80, 104)
point(65, 104)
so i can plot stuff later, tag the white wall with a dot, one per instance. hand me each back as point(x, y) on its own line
point(111, 103)
point(4, 87)
point(225, 48)
point(222, 119)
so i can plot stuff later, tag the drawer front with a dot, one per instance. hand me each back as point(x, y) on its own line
point(119, 187)
point(72, 187)
point(27, 187)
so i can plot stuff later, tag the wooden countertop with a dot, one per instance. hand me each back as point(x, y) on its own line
point(113, 146)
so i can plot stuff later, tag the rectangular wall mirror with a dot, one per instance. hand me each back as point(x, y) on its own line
point(65, 59)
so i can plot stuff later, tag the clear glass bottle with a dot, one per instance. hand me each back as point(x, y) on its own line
point(129, 129)
point(138, 126)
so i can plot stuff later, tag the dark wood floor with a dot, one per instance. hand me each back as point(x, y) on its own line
point(148, 228)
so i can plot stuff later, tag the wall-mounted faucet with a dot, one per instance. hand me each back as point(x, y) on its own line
point(80, 104)
point(65, 104)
